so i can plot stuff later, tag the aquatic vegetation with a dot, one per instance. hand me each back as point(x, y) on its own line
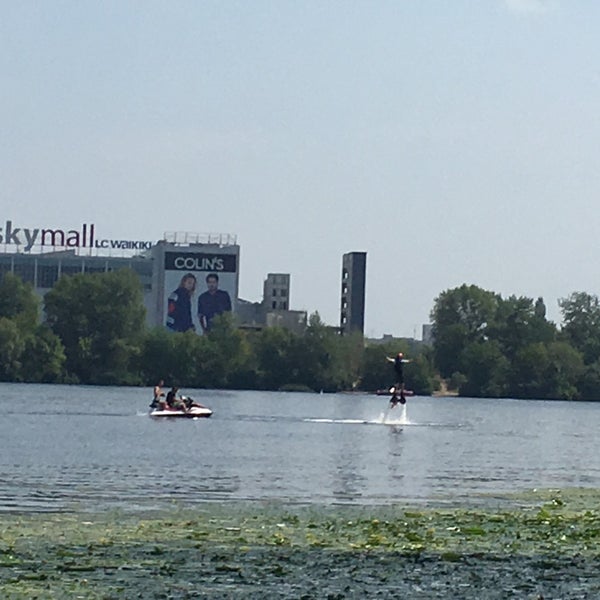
point(255, 546)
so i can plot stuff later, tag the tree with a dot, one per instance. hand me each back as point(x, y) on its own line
point(99, 318)
point(378, 372)
point(486, 370)
point(18, 302)
point(528, 376)
point(227, 361)
point(460, 317)
point(589, 384)
point(581, 323)
point(177, 358)
point(43, 357)
point(540, 308)
point(11, 349)
point(550, 371)
point(321, 363)
point(273, 354)
point(349, 359)
point(420, 374)
point(519, 322)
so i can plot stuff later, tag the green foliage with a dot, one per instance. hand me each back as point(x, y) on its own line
point(486, 370)
point(456, 381)
point(506, 347)
point(11, 350)
point(581, 317)
point(221, 359)
point(28, 351)
point(228, 362)
point(519, 322)
point(460, 317)
point(99, 318)
point(378, 372)
point(18, 302)
point(273, 349)
point(485, 344)
point(43, 357)
point(421, 374)
point(320, 359)
point(589, 383)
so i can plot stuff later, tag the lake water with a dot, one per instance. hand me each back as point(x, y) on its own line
point(89, 448)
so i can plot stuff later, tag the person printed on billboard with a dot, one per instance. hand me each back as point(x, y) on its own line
point(179, 310)
point(212, 302)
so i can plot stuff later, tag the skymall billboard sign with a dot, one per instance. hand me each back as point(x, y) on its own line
point(26, 238)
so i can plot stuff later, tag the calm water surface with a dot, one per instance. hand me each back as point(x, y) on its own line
point(87, 448)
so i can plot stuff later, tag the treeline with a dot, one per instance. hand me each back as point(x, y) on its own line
point(91, 329)
point(94, 332)
point(489, 346)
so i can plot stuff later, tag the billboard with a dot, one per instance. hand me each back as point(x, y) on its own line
point(198, 286)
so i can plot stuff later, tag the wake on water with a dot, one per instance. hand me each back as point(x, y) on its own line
point(392, 416)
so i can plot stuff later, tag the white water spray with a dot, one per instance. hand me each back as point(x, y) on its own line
point(393, 416)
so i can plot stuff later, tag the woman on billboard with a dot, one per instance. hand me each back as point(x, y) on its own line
point(179, 310)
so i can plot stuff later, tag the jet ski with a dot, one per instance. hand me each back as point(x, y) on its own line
point(192, 411)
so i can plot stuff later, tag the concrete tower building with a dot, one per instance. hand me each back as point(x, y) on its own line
point(352, 313)
point(276, 294)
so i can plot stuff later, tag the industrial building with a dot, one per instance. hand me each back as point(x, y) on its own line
point(208, 263)
point(352, 310)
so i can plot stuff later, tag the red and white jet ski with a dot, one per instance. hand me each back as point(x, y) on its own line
point(193, 412)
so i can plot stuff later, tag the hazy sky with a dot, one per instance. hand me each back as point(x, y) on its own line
point(453, 141)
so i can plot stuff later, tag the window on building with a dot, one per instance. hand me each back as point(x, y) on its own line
point(345, 274)
point(274, 292)
point(274, 304)
point(5, 267)
point(284, 306)
point(26, 271)
point(70, 269)
point(47, 275)
point(94, 266)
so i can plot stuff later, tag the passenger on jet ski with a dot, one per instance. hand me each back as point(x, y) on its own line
point(174, 401)
point(158, 400)
point(180, 402)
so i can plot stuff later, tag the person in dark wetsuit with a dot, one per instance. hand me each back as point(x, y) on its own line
point(398, 390)
point(212, 302)
point(179, 311)
point(174, 401)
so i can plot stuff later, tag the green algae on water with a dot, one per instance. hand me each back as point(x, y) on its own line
point(237, 547)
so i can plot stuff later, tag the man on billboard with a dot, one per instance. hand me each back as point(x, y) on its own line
point(212, 302)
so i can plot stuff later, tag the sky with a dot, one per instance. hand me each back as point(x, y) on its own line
point(454, 142)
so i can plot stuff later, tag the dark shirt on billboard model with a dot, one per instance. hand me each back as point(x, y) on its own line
point(179, 316)
point(210, 305)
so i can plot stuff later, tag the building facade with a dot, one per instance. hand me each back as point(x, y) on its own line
point(187, 278)
point(42, 271)
point(276, 291)
point(352, 309)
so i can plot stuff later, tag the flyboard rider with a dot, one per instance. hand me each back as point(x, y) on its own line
point(398, 389)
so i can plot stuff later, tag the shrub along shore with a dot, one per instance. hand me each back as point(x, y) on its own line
point(537, 545)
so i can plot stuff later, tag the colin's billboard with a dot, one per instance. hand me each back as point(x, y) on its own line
point(198, 287)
